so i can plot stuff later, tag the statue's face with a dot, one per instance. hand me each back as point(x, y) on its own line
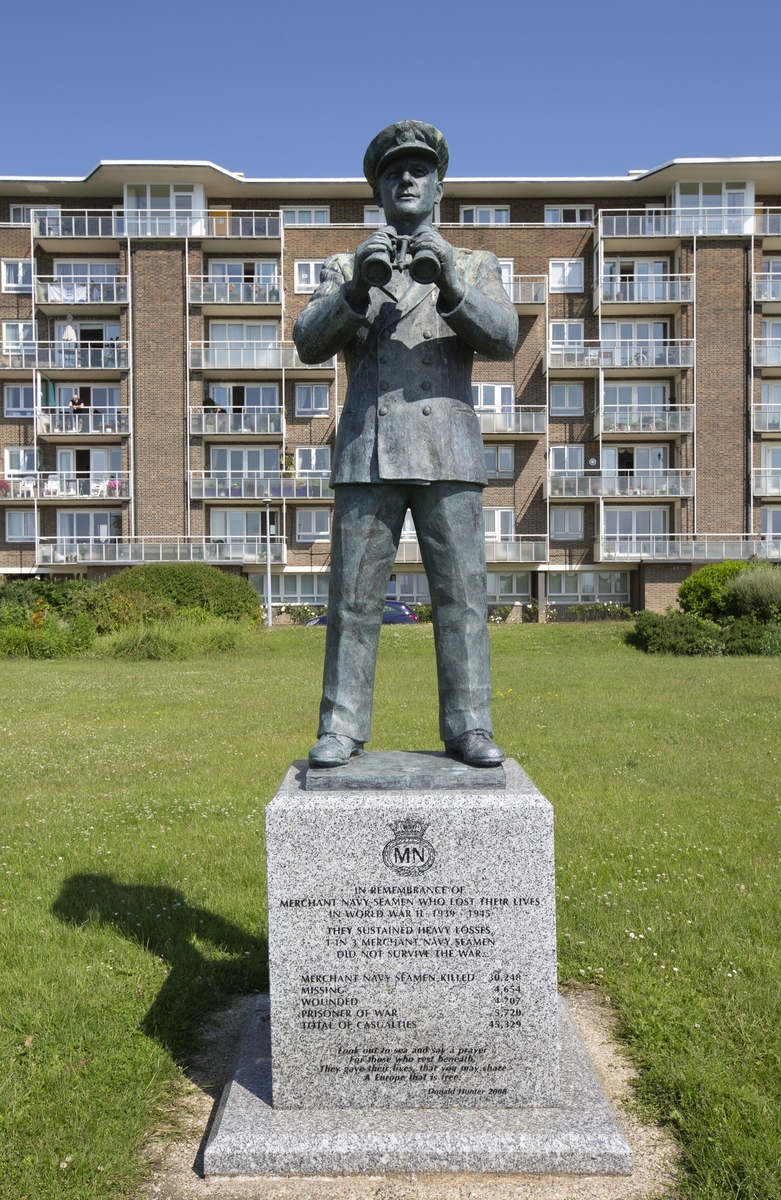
point(408, 188)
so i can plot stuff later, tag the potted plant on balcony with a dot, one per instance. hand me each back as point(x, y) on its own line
point(5, 487)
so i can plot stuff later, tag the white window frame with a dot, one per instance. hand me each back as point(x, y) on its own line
point(499, 460)
point(322, 452)
point(373, 214)
point(307, 216)
point(304, 409)
point(566, 275)
point(114, 515)
point(493, 397)
point(770, 518)
point(288, 588)
point(588, 587)
point(571, 456)
point(625, 521)
point(410, 587)
point(572, 397)
point(14, 341)
point(31, 457)
point(660, 399)
point(507, 267)
point(658, 454)
point(227, 402)
point(228, 342)
point(567, 523)
point(17, 412)
point(18, 288)
point(503, 521)
point(484, 214)
point(313, 517)
point(583, 214)
point(499, 591)
point(770, 396)
point(246, 472)
point(22, 214)
point(29, 524)
point(571, 334)
point(310, 267)
point(246, 516)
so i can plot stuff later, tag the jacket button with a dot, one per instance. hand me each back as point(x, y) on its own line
point(426, 385)
point(384, 385)
point(427, 333)
point(384, 359)
point(383, 410)
point(426, 360)
point(426, 410)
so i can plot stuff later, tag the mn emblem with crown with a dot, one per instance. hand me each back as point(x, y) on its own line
point(408, 852)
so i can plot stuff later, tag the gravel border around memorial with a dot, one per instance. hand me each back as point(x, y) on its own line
point(176, 1168)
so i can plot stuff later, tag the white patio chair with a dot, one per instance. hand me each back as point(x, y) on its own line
point(52, 486)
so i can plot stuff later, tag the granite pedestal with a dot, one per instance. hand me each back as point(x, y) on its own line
point(414, 1018)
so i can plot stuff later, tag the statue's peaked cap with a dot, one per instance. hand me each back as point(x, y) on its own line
point(405, 137)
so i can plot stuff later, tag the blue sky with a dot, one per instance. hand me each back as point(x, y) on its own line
point(537, 87)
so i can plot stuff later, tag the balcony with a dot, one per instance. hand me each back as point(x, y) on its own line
point(207, 486)
point(253, 356)
point(527, 292)
point(767, 292)
point(528, 422)
point(80, 229)
point(767, 483)
point(767, 354)
point(767, 420)
point(769, 227)
point(652, 420)
point(227, 297)
point(76, 228)
point(54, 293)
point(621, 485)
point(698, 548)
point(56, 552)
point(247, 422)
point(590, 357)
point(95, 485)
point(90, 422)
point(520, 548)
point(64, 356)
point(656, 294)
point(663, 228)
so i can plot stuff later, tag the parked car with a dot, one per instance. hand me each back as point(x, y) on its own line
point(394, 613)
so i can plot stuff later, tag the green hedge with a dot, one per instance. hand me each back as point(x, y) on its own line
point(705, 592)
point(685, 633)
point(190, 585)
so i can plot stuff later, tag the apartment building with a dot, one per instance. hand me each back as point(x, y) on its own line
point(155, 409)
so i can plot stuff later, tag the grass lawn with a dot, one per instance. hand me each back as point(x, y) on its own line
point(132, 885)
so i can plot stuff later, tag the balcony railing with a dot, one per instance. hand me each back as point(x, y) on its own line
point(676, 222)
point(116, 223)
point(635, 484)
point(249, 356)
point(767, 352)
point(653, 419)
point(246, 420)
point(709, 547)
point(65, 421)
point(767, 483)
point(66, 552)
point(769, 223)
point(767, 420)
point(57, 289)
point(203, 290)
point(767, 290)
point(79, 485)
point(205, 485)
point(661, 289)
point(609, 355)
point(521, 420)
point(520, 548)
point(527, 289)
point(107, 356)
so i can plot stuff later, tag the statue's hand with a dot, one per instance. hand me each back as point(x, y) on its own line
point(451, 288)
point(381, 241)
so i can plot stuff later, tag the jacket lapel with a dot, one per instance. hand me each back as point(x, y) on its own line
point(397, 299)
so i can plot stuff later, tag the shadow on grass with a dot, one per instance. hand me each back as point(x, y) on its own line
point(160, 920)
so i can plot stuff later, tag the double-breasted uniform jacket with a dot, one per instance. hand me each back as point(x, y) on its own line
point(408, 414)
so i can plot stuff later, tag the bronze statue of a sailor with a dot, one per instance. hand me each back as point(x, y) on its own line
point(409, 311)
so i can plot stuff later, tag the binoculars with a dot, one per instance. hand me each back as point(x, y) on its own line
point(423, 267)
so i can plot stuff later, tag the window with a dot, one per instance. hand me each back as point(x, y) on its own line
point(293, 589)
point(634, 460)
point(22, 214)
point(408, 531)
point(17, 334)
point(499, 524)
point(235, 397)
point(566, 524)
point(634, 333)
point(254, 270)
point(88, 526)
point(771, 332)
point(20, 525)
point(240, 333)
point(372, 215)
point(586, 587)
point(485, 216)
point(566, 399)
point(712, 195)
point(493, 397)
point(499, 461)
point(163, 209)
point(582, 214)
point(19, 400)
point(635, 523)
point(771, 396)
point(770, 286)
point(637, 280)
point(20, 460)
point(103, 398)
point(771, 523)
point(313, 460)
point(634, 396)
point(506, 589)
point(507, 267)
point(566, 458)
point(566, 333)
point(313, 524)
point(239, 462)
point(771, 463)
point(308, 274)
point(410, 586)
point(312, 400)
point(242, 525)
point(566, 274)
point(306, 216)
point(17, 275)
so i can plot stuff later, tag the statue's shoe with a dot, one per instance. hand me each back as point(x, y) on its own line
point(476, 748)
point(334, 750)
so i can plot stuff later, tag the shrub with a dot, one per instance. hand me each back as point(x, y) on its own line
point(57, 594)
point(424, 613)
point(46, 637)
point(300, 613)
point(756, 592)
point(109, 609)
point(190, 585)
point(601, 611)
point(675, 633)
point(704, 593)
point(770, 642)
point(743, 636)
